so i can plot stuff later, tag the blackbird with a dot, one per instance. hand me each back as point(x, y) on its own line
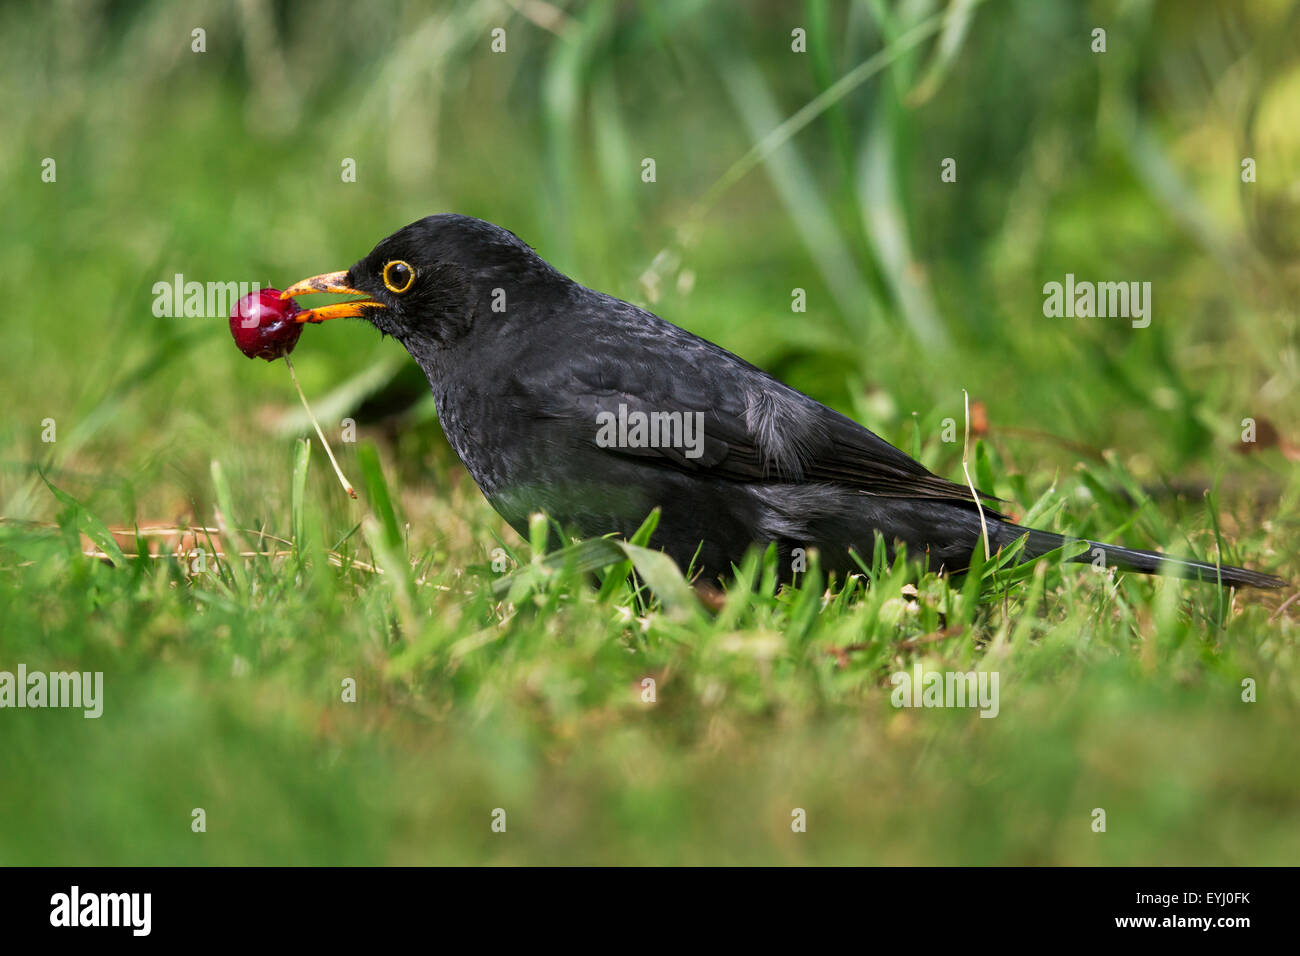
point(567, 401)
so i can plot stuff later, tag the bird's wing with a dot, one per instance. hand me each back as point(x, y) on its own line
point(742, 424)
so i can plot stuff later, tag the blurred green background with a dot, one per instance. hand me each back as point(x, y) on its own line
point(774, 170)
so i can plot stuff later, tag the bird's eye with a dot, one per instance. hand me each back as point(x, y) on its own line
point(398, 276)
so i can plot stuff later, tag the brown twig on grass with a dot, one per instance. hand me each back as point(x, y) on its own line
point(841, 654)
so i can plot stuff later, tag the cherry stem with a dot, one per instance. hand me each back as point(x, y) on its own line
point(347, 485)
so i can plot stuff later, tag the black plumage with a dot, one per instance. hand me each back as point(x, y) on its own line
point(522, 361)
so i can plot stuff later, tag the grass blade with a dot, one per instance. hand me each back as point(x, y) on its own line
point(89, 524)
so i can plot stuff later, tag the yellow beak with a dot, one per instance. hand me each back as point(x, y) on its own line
point(330, 282)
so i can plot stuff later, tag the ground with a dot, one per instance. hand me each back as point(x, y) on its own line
point(382, 681)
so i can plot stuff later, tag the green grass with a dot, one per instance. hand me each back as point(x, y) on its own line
point(489, 675)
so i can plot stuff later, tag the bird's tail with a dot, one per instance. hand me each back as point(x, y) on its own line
point(1145, 562)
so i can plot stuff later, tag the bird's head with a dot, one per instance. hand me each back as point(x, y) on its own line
point(428, 283)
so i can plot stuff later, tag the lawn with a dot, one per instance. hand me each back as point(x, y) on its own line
point(403, 679)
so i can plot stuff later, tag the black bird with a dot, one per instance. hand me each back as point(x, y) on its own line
point(564, 400)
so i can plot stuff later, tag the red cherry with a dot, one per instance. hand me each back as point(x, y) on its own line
point(263, 326)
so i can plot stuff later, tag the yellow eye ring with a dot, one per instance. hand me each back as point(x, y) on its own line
point(398, 276)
